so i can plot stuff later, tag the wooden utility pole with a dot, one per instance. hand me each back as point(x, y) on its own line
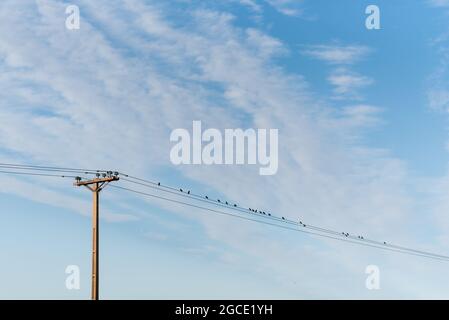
point(96, 185)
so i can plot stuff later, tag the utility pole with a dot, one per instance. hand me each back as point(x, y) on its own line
point(96, 185)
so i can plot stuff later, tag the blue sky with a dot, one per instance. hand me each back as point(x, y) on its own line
point(362, 119)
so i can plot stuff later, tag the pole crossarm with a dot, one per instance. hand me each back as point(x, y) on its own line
point(100, 181)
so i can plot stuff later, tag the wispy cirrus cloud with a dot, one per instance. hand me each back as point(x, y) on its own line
point(337, 54)
point(347, 83)
point(286, 7)
point(439, 3)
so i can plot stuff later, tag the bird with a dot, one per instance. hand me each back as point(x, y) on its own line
point(188, 192)
point(269, 214)
point(227, 202)
point(207, 197)
point(218, 200)
point(235, 205)
point(158, 183)
point(180, 190)
point(283, 218)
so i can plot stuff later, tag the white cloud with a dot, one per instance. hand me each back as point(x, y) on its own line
point(438, 99)
point(336, 54)
point(347, 83)
point(287, 7)
point(439, 3)
point(251, 4)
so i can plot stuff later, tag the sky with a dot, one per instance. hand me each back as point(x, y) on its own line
point(363, 145)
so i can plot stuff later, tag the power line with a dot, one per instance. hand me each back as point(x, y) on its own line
point(426, 255)
point(192, 196)
point(50, 168)
point(329, 233)
point(37, 174)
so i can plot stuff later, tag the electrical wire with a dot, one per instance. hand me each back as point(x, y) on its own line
point(36, 174)
point(427, 255)
point(325, 232)
point(190, 195)
point(50, 168)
